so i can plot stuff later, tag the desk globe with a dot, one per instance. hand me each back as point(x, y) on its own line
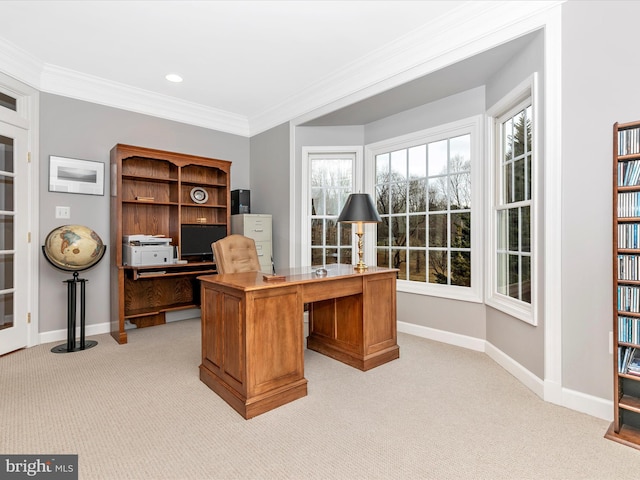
point(73, 248)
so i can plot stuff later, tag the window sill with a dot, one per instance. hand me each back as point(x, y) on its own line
point(514, 308)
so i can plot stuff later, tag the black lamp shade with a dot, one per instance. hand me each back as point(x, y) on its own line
point(359, 208)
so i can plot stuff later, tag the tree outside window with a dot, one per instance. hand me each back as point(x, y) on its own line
point(513, 233)
point(423, 195)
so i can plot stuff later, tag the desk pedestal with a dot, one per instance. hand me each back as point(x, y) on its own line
point(357, 329)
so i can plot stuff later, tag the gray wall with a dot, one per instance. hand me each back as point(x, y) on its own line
point(77, 129)
point(270, 153)
point(600, 75)
point(456, 107)
point(519, 340)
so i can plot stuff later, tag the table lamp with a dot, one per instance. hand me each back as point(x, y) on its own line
point(359, 209)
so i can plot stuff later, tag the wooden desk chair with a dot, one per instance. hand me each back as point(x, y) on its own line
point(236, 254)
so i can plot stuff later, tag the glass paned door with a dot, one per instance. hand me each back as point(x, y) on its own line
point(13, 252)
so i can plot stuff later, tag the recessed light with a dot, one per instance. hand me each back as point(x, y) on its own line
point(172, 77)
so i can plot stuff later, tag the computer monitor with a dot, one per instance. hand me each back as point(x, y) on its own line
point(196, 240)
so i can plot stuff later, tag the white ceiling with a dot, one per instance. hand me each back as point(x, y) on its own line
point(240, 60)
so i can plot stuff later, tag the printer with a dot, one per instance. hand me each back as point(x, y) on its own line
point(144, 250)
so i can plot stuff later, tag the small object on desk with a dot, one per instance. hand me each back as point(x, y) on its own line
point(274, 278)
point(181, 262)
point(321, 272)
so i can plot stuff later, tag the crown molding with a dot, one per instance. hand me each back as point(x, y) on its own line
point(472, 28)
point(20, 64)
point(48, 78)
point(73, 84)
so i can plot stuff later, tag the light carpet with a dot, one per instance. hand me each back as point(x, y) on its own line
point(139, 411)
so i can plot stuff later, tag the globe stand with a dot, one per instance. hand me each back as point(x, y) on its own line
point(70, 346)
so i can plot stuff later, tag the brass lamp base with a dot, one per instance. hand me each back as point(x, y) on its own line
point(360, 266)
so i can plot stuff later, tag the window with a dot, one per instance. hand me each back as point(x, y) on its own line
point(513, 209)
point(511, 249)
point(427, 189)
point(331, 178)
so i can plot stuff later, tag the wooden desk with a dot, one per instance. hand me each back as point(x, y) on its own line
point(252, 330)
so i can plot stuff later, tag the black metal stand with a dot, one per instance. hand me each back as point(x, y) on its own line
point(70, 346)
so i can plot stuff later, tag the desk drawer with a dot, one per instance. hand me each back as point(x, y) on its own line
point(325, 289)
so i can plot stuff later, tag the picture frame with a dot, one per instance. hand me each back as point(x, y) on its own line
point(72, 175)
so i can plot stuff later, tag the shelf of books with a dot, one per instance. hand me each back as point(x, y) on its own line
point(625, 427)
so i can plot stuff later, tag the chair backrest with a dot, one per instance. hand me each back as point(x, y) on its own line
point(235, 254)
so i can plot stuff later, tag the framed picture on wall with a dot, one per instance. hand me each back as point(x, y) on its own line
point(70, 175)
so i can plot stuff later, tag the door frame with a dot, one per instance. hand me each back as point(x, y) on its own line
point(27, 118)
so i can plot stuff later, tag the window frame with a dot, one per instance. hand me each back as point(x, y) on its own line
point(473, 126)
point(524, 94)
point(306, 191)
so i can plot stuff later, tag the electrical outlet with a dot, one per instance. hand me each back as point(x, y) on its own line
point(63, 212)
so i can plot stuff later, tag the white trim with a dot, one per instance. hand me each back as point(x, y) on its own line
point(27, 118)
point(20, 64)
point(472, 28)
point(553, 206)
point(105, 327)
point(450, 338)
point(581, 402)
point(294, 194)
point(473, 126)
point(33, 209)
point(61, 335)
point(73, 84)
point(515, 308)
point(524, 376)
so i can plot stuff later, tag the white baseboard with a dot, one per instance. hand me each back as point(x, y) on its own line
point(450, 338)
point(578, 401)
point(105, 327)
point(61, 335)
point(594, 406)
point(524, 376)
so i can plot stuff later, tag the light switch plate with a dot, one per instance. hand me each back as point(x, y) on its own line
point(63, 212)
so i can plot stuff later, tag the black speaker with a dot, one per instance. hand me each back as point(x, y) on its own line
point(240, 201)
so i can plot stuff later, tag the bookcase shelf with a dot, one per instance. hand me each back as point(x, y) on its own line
point(151, 195)
point(625, 427)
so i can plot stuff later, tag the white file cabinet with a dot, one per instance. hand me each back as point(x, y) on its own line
point(258, 227)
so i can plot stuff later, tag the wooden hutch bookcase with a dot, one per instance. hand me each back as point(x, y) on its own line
point(151, 195)
point(625, 427)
